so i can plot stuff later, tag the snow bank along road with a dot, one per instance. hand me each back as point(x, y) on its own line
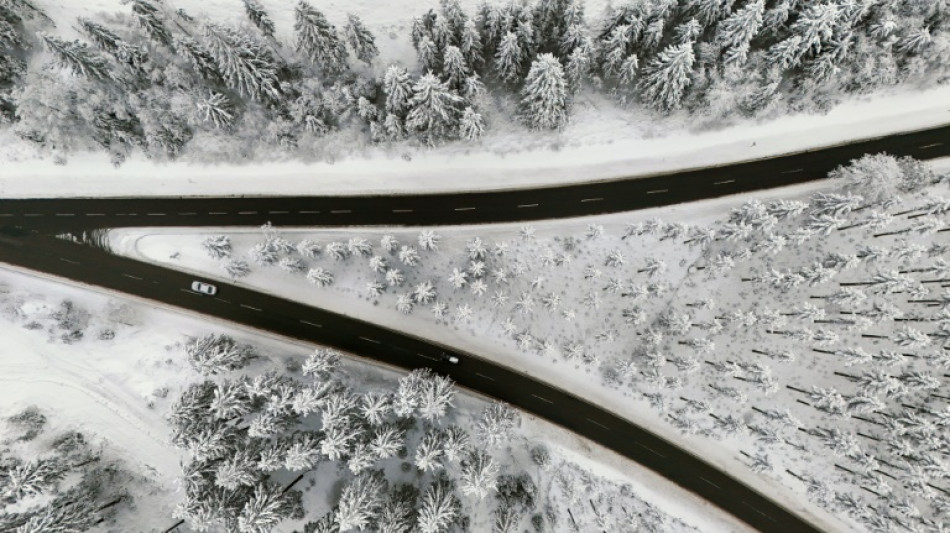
point(466, 208)
point(296, 320)
point(93, 266)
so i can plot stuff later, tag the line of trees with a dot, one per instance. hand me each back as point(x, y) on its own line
point(168, 77)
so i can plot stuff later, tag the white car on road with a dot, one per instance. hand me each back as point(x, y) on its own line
point(204, 288)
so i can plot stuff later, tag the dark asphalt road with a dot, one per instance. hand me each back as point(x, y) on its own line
point(466, 208)
point(92, 266)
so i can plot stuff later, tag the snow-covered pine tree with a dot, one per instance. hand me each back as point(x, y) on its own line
point(579, 63)
point(149, 18)
point(735, 32)
point(544, 98)
point(318, 39)
point(436, 394)
point(217, 246)
point(551, 19)
point(472, 125)
point(259, 17)
point(217, 109)
point(321, 363)
point(360, 39)
point(77, 57)
point(214, 354)
point(479, 474)
point(495, 423)
point(245, 64)
point(454, 69)
point(398, 512)
point(471, 45)
point(439, 507)
point(429, 56)
point(398, 88)
point(110, 43)
point(429, 451)
point(239, 469)
point(267, 507)
point(509, 58)
point(667, 76)
point(200, 58)
point(434, 112)
point(361, 500)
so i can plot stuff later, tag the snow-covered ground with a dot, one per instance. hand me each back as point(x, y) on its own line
point(601, 142)
point(116, 391)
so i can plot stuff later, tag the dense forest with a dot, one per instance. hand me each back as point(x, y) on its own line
point(158, 79)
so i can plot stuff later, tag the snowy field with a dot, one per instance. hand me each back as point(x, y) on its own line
point(620, 310)
point(602, 141)
point(116, 388)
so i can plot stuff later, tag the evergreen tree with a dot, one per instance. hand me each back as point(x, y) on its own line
point(434, 109)
point(259, 17)
point(76, 57)
point(471, 45)
point(148, 18)
point(551, 19)
point(200, 58)
point(455, 17)
point(614, 50)
point(579, 63)
point(245, 64)
point(479, 474)
point(217, 109)
point(735, 32)
point(360, 39)
point(361, 501)
point(318, 39)
point(214, 354)
point(665, 79)
point(112, 44)
point(428, 52)
point(439, 508)
point(509, 57)
point(454, 69)
point(266, 508)
point(471, 126)
point(398, 512)
point(544, 98)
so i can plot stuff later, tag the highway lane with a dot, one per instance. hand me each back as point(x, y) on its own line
point(255, 309)
point(465, 208)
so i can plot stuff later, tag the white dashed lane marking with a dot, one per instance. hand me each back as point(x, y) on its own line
point(549, 401)
point(651, 450)
point(595, 422)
